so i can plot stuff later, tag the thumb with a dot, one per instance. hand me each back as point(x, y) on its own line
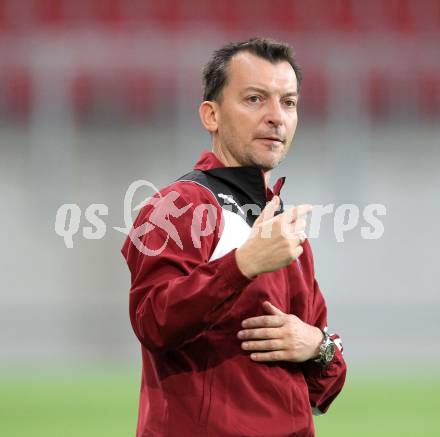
point(272, 309)
point(268, 211)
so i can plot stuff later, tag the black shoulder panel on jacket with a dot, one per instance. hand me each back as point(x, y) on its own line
point(237, 189)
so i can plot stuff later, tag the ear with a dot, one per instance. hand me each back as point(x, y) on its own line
point(208, 112)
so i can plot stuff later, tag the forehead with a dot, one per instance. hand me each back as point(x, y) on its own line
point(248, 70)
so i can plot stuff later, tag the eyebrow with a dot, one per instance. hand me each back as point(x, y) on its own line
point(264, 91)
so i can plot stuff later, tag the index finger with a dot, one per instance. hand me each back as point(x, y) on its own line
point(268, 321)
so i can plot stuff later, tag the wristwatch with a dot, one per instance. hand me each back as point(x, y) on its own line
point(326, 350)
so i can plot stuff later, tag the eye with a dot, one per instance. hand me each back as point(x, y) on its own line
point(254, 98)
point(290, 103)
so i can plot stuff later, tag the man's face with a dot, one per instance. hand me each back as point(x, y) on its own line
point(257, 111)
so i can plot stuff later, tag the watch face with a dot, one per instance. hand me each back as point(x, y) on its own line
point(329, 352)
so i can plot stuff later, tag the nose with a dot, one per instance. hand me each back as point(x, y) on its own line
point(274, 115)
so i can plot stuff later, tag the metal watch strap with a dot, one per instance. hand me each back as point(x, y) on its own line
point(323, 350)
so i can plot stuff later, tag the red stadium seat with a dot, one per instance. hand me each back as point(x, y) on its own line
point(138, 92)
point(314, 95)
point(82, 93)
point(17, 84)
point(344, 17)
point(4, 18)
point(429, 94)
point(225, 15)
point(436, 14)
point(109, 12)
point(377, 95)
point(49, 12)
point(310, 14)
point(399, 15)
point(166, 13)
point(284, 15)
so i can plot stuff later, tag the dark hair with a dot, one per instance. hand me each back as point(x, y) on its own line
point(215, 71)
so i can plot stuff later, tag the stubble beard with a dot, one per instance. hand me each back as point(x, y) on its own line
point(248, 158)
point(265, 164)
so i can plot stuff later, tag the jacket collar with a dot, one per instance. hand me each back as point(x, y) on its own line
point(207, 161)
point(249, 179)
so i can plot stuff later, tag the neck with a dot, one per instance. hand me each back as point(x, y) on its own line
point(229, 161)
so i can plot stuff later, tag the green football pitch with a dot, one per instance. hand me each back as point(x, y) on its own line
point(104, 403)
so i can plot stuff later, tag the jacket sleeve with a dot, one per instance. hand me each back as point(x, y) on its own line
point(324, 383)
point(176, 292)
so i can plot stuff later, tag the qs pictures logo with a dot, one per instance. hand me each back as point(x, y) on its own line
point(165, 212)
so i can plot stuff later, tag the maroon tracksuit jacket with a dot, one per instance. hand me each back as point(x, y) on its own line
point(188, 299)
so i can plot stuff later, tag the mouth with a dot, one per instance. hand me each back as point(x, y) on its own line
point(272, 140)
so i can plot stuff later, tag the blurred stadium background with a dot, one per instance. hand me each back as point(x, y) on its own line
point(95, 94)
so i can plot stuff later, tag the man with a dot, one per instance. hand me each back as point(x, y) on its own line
point(224, 300)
